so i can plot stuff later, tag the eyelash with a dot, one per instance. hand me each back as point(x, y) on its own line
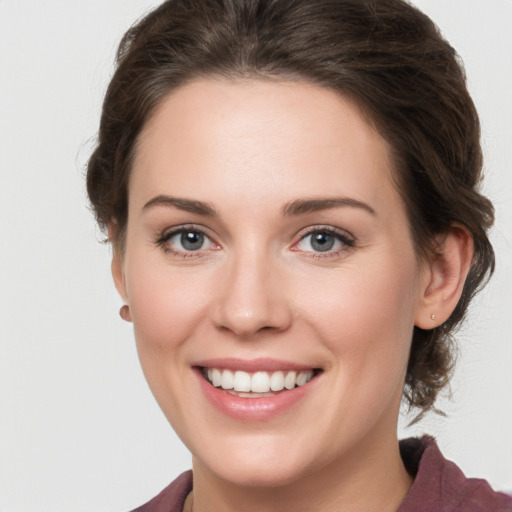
point(166, 236)
point(347, 241)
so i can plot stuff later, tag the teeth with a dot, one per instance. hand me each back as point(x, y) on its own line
point(277, 381)
point(216, 378)
point(242, 381)
point(302, 378)
point(259, 382)
point(227, 380)
point(290, 380)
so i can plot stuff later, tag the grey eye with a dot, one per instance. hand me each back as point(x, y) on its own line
point(322, 242)
point(188, 240)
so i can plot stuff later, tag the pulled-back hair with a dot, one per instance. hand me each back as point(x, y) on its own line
point(385, 55)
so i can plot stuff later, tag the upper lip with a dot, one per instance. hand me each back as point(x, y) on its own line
point(253, 365)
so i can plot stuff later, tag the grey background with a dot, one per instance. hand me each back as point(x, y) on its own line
point(79, 430)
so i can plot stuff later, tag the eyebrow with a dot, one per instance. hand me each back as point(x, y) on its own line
point(301, 206)
point(297, 207)
point(187, 205)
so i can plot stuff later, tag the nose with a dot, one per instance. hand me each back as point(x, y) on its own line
point(252, 298)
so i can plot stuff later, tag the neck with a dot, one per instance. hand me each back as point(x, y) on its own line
point(371, 477)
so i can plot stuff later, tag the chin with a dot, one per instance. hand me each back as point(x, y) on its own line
point(257, 462)
point(258, 474)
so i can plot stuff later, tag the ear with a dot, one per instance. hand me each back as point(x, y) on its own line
point(445, 275)
point(117, 262)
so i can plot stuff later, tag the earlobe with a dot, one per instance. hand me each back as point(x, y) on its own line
point(124, 313)
point(446, 274)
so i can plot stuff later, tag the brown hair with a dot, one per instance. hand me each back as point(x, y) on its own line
point(385, 55)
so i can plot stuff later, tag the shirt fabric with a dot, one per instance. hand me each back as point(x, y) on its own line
point(439, 486)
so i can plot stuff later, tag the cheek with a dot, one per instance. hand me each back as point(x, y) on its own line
point(166, 305)
point(367, 324)
point(366, 317)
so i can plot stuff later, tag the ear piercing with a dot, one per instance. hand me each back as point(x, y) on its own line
point(433, 317)
point(124, 313)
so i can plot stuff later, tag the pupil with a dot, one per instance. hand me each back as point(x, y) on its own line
point(322, 242)
point(192, 241)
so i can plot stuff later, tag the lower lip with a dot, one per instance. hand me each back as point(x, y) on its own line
point(253, 409)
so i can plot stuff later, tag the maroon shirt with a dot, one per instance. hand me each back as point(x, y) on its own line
point(439, 486)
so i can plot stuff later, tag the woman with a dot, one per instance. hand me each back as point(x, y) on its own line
point(291, 191)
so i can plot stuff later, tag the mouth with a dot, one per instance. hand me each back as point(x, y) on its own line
point(275, 386)
point(257, 384)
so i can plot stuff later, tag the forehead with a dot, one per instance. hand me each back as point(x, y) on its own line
point(259, 140)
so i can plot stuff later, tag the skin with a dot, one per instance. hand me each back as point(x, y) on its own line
point(258, 289)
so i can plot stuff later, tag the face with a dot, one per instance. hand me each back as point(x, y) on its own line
point(271, 278)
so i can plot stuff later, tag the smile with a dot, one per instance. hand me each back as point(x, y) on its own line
point(256, 384)
point(256, 389)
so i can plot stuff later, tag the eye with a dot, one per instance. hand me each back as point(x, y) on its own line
point(185, 241)
point(188, 240)
point(324, 240)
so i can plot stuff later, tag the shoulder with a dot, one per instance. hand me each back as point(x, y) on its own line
point(172, 498)
point(441, 486)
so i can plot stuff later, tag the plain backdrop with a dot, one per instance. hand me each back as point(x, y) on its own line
point(79, 429)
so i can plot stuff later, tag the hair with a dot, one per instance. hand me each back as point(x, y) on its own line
point(384, 55)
